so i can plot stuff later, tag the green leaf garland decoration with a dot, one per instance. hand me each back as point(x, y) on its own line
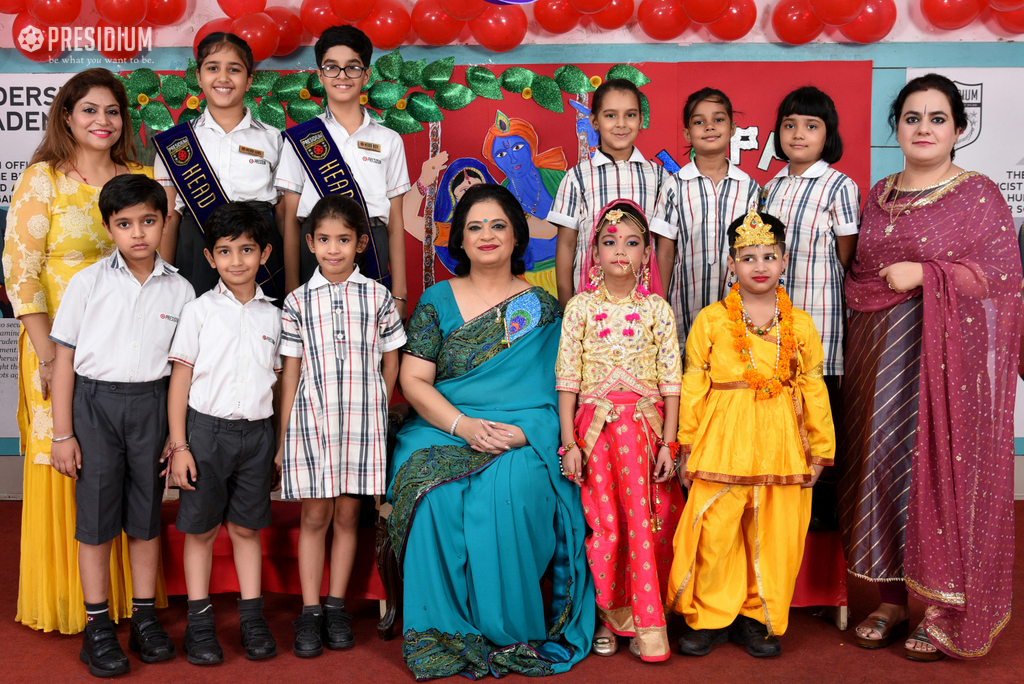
point(143, 82)
point(262, 82)
point(388, 67)
point(202, 105)
point(547, 93)
point(437, 73)
point(401, 121)
point(412, 73)
point(288, 86)
point(156, 117)
point(302, 111)
point(189, 114)
point(123, 80)
point(192, 78)
point(271, 113)
point(516, 79)
point(173, 90)
point(375, 116)
point(370, 83)
point(645, 109)
point(314, 86)
point(422, 108)
point(453, 96)
point(572, 80)
point(630, 73)
point(385, 94)
point(136, 117)
point(483, 82)
point(250, 102)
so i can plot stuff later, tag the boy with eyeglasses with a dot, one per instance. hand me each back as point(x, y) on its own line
point(345, 152)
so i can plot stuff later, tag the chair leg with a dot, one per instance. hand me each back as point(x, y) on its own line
point(387, 566)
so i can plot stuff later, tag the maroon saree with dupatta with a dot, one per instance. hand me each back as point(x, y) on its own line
point(959, 536)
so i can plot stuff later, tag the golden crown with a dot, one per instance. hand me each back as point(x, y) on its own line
point(753, 232)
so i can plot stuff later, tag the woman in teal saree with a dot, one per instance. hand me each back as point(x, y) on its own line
point(481, 511)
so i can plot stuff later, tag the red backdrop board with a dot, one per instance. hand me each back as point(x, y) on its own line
point(755, 88)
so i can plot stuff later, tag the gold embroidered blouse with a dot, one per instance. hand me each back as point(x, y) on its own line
point(648, 362)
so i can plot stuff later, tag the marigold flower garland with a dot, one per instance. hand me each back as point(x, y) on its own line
point(764, 388)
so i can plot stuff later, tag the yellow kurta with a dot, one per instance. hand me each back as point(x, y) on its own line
point(54, 230)
point(740, 540)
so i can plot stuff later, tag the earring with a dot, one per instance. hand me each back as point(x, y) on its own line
point(782, 281)
point(596, 276)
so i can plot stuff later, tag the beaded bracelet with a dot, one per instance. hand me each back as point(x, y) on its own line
point(454, 423)
point(563, 450)
point(44, 364)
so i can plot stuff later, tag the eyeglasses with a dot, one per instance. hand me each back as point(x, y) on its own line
point(334, 71)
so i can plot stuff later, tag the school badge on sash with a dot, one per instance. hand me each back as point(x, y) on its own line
point(195, 180)
point(325, 166)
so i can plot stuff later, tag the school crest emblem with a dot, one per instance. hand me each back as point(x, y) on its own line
point(180, 151)
point(316, 145)
point(971, 94)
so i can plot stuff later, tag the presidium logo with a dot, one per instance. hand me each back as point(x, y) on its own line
point(87, 38)
point(316, 146)
point(180, 151)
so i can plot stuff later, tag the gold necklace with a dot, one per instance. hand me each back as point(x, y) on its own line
point(497, 309)
point(895, 208)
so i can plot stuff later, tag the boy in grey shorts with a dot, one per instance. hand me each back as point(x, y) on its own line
point(113, 330)
point(220, 401)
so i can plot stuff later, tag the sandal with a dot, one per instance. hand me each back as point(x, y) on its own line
point(634, 648)
point(605, 645)
point(881, 625)
point(922, 656)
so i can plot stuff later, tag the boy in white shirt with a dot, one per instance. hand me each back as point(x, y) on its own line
point(219, 404)
point(113, 330)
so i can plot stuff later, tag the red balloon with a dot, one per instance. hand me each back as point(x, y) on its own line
point(165, 12)
point(433, 24)
point(705, 11)
point(215, 26)
point(260, 31)
point(352, 11)
point(556, 16)
point(1011, 22)
point(31, 37)
point(873, 24)
point(662, 19)
point(116, 43)
point(239, 8)
point(388, 24)
point(463, 10)
point(615, 15)
point(589, 6)
point(997, 5)
point(737, 22)
point(289, 29)
point(795, 23)
point(837, 12)
point(122, 12)
point(54, 12)
point(950, 15)
point(317, 16)
point(12, 6)
point(500, 28)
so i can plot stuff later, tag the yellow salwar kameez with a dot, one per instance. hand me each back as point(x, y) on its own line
point(54, 230)
point(740, 539)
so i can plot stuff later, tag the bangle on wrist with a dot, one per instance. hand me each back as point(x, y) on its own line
point(62, 439)
point(455, 423)
point(422, 188)
point(400, 299)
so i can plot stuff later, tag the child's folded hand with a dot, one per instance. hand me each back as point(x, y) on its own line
point(814, 478)
point(183, 468)
point(66, 457)
point(572, 465)
point(278, 460)
point(664, 466)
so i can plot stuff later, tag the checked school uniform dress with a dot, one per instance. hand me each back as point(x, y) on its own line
point(336, 437)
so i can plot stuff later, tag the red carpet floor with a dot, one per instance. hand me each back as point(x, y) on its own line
point(813, 649)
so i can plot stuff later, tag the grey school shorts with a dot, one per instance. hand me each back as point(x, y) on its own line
point(234, 473)
point(121, 429)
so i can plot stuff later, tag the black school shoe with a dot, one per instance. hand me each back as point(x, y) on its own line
point(201, 644)
point(698, 642)
point(102, 652)
point(148, 638)
point(307, 635)
point(338, 629)
point(754, 636)
point(256, 638)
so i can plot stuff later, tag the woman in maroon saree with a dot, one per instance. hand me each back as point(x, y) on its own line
point(926, 461)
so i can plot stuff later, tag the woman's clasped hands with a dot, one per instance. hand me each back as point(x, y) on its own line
point(490, 436)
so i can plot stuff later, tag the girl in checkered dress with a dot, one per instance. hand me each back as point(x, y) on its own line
point(340, 338)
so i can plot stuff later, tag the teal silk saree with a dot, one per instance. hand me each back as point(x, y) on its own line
point(476, 533)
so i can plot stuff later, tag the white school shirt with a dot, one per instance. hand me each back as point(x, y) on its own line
point(696, 214)
point(232, 349)
point(375, 155)
point(234, 156)
point(817, 207)
point(121, 329)
point(592, 184)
